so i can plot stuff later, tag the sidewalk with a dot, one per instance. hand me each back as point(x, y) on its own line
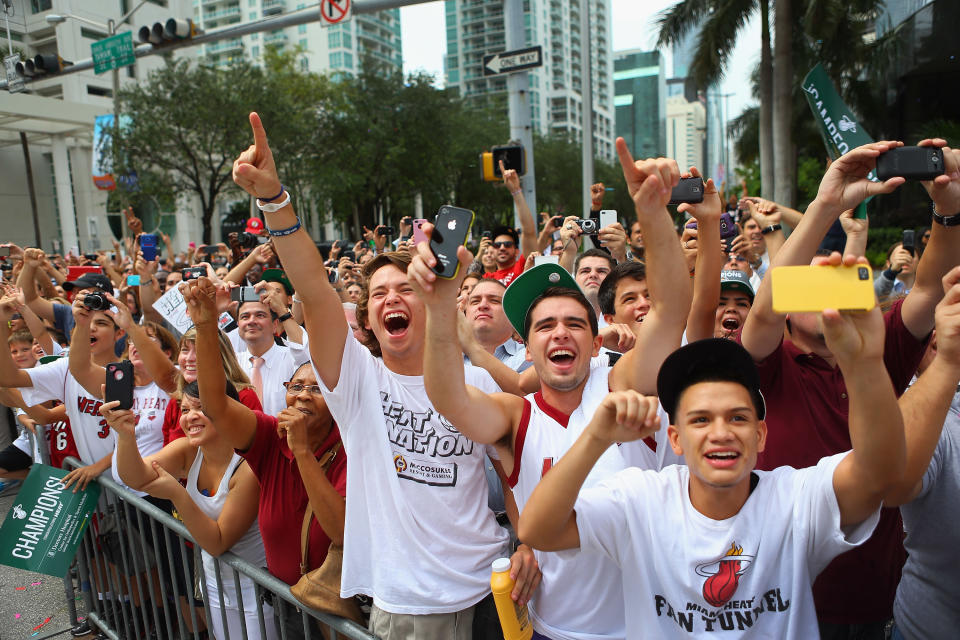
point(27, 599)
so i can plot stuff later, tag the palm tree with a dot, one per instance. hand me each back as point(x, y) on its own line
point(721, 22)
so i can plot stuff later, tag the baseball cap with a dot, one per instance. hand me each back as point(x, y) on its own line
point(736, 281)
point(90, 280)
point(503, 230)
point(278, 275)
point(710, 360)
point(528, 286)
point(254, 226)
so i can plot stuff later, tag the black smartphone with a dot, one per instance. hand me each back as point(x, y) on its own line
point(192, 273)
point(912, 163)
point(687, 190)
point(909, 243)
point(451, 228)
point(386, 231)
point(487, 234)
point(210, 250)
point(244, 294)
point(349, 254)
point(557, 221)
point(90, 256)
point(120, 383)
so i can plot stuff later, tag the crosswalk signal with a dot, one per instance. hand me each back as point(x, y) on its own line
point(513, 156)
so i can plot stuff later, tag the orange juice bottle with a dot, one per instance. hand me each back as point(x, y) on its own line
point(514, 619)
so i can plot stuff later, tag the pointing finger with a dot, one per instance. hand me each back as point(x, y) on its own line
point(626, 159)
point(259, 134)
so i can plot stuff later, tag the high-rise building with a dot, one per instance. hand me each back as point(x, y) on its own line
point(476, 28)
point(685, 126)
point(640, 100)
point(57, 115)
point(337, 48)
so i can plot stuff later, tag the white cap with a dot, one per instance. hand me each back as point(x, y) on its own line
point(501, 565)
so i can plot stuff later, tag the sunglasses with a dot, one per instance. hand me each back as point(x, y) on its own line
point(506, 244)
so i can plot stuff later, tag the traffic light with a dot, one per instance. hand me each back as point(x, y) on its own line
point(173, 29)
point(43, 64)
point(513, 156)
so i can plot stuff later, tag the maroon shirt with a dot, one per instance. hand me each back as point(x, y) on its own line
point(807, 419)
point(171, 419)
point(283, 498)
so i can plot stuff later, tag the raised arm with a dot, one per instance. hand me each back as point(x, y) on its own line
point(943, 250)
point(258, 255)
point(528, 227)
point(925, 404)
point(856, 230)
point(570, 237)
point(31, 262)
point(131, 467)
point(90, 375)
point(256, 173)
point(149, 290)
point(482, 418)
point(10, 374)
point(548, 521)
point(877, 460)
point(844, 186)
point(234, 421)
point(649, 183)
point(156, 362)
point(706, 276)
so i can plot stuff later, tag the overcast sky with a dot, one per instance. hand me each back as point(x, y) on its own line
point(424, 42)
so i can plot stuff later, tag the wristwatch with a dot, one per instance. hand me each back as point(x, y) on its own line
point(285, 317)
point(947, 221)
point(771, 229)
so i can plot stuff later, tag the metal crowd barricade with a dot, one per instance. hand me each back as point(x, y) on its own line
point(149, 555)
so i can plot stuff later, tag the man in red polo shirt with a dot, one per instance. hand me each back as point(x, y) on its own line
point(806, 392)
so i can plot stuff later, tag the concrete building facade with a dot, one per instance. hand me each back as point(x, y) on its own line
point(640, 101)
point(685, 127)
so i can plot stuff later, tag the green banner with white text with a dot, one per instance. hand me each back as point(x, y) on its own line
point(44, 526)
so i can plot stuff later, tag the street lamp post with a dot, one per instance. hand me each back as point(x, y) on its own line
point(111, 29)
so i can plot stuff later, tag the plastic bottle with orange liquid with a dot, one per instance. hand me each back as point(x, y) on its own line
point(514, 619)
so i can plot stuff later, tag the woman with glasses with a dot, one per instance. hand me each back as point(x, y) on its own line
point(296, 456)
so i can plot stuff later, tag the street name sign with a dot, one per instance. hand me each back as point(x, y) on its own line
point(113, 52)
point(510, 61)
point(14, 81)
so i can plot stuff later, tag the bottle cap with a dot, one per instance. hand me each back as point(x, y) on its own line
point(501, 565)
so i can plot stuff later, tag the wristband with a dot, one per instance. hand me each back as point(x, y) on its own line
point(947, 221)
point(270, 208)
point(513, 193)
point(296, 300)
point(285, 317)
point(279, 233)
point(771, 229)
point(274, 197)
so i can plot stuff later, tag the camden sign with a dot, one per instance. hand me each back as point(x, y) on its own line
point(44, 526)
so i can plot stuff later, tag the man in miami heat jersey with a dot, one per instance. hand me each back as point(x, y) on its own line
point(714, 548)
point(559, 326)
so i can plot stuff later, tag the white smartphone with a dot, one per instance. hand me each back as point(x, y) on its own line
point(608, 217)
point(551, 259)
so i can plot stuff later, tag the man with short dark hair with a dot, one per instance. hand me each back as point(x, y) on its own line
point(624, 296)
point(266, 363)
point(489, 326)
point(589, 270)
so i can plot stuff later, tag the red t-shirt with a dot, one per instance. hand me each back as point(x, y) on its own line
point(171, 418)
point(60, 441)
point(507, 275)
point(808, 420)
point(283, 498)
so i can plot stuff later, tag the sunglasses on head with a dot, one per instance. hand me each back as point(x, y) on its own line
point(506, 244)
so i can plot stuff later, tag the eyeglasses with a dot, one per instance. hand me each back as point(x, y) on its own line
point(506, 244)
point(296, 387)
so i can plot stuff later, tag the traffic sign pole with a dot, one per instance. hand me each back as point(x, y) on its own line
point(518, 103)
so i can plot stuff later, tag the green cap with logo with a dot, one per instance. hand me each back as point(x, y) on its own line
point(528, 286)
point(278, 275)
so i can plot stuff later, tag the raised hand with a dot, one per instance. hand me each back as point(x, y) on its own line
point(854, 337)
point(845, 184)
point(945, 190)
point(123, 421)
point(624, 416)
point(255, 171)
point(711, 208)
point(650, 181)
point(948, 319)
point(122, 316)
point(200, 297)
point(432, 289)
point(596, 194)
point(510, 178)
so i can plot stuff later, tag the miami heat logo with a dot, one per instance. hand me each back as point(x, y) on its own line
point(399, 463)
point(723, 575)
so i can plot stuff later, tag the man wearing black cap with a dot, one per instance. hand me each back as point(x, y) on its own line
point(61, 315)
point(714, 545)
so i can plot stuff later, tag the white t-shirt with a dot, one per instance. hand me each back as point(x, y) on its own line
point(279, 365)
point(149, 405)
point(686, 575)
point(419, 535)
point(52, 381)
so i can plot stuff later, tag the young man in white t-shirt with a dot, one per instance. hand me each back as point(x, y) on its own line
point(714, 546)
point(559, 326)
point(94, 438)
point(419, 536)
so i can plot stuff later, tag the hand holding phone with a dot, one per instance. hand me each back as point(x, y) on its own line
point(148, 245)
point(244, 294)
point(912, 163)
point(120, 384)
point(687, 190)
point(813, 288)
point(450, 230)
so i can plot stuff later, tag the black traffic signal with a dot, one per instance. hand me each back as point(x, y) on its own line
point(513, 157)
point(43, 64)
point(163, 32)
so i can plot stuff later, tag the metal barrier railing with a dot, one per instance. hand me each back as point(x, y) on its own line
point(138, 579)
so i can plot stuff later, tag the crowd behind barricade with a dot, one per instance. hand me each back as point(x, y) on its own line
point(715, 467)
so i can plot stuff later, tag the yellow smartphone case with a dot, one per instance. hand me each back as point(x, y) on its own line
point(810, 289)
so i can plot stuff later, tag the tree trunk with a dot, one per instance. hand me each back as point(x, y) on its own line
point(783, 153)
point(766, 104)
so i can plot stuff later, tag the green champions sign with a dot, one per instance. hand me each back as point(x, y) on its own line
point(840, 130)
point(43, 527)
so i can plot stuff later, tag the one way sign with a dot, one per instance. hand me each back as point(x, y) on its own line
point(510, 61)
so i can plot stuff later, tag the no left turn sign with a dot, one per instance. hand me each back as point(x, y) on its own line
point(335, 11)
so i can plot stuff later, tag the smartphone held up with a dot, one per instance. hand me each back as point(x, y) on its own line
point(451, 228)
point(811, 289)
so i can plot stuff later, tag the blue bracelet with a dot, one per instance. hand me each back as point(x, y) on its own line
point(287, 231)
point(274, 197)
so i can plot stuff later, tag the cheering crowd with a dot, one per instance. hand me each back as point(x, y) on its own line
point(619, 410)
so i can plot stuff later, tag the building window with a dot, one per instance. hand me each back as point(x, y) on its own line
point(36, 6)
point(304, 64)
point(348, 60)
point(99, 91)
point(253, 15)
point(92, 35)
point(334, 39)
point(302, 28)
point(255, 51)
point(253, 3)
point(336, 60)
point(303, 43)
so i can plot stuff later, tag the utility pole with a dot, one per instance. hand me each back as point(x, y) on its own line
point(518, 103)
point(586, 102)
